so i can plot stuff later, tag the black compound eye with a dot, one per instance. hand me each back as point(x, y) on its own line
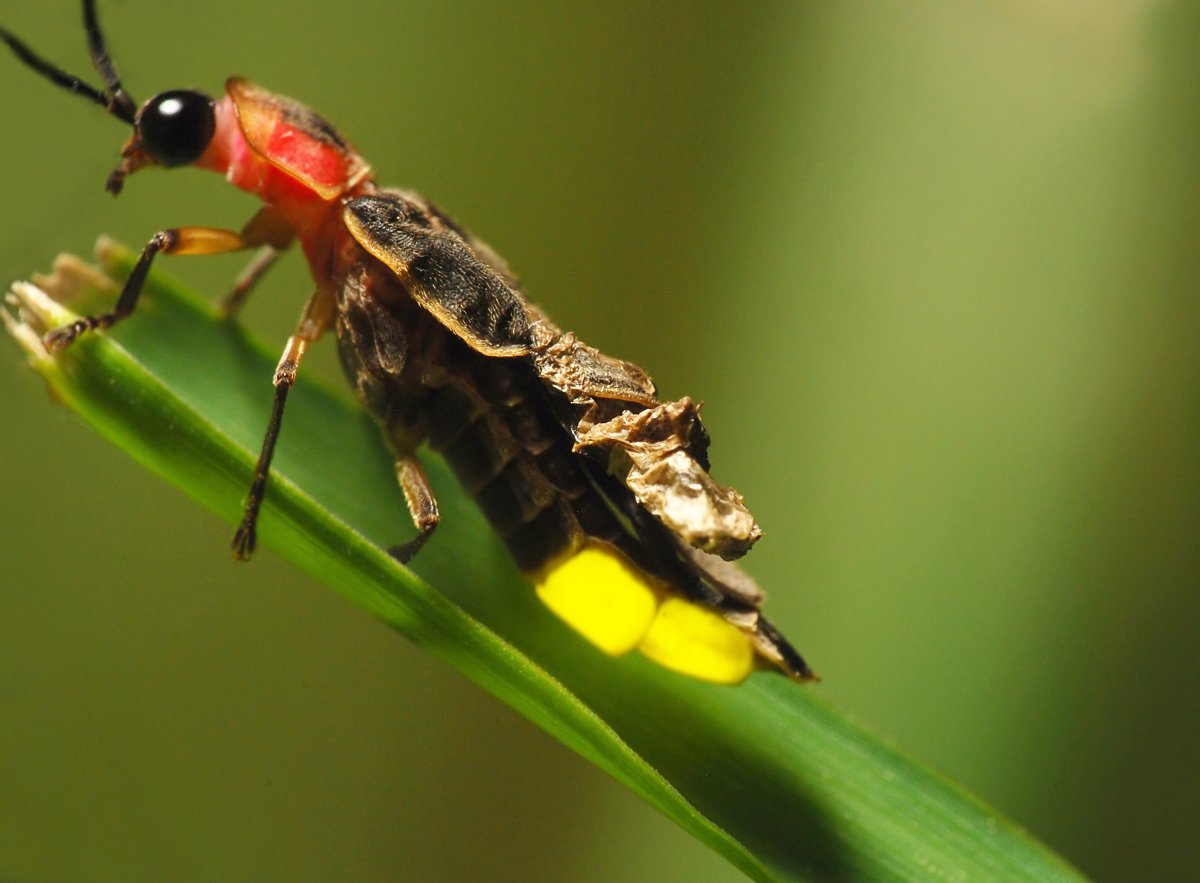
point(175, 127)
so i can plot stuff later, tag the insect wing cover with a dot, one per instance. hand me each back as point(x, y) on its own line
point(296, 140)
point(441, 272)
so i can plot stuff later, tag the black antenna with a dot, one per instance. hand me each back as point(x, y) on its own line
point(115, 100)
point(119, 104)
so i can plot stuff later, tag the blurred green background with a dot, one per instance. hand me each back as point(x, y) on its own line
point(929, 264)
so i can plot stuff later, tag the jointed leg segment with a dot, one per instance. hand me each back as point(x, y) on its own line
point(177, 240)
point(247, 279)
point(271, 231)
point(422, 505)
point(245, 538)
point(266, 229)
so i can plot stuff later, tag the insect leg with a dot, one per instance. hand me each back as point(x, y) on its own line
point(421, 504)
point(178, 240)
point(316, 318)
point(232, 302)
point(269, 230)
point(285, 375)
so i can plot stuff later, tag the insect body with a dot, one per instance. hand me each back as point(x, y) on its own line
point(600, 491)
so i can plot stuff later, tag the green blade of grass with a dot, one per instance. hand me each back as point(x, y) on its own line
point(766, 774)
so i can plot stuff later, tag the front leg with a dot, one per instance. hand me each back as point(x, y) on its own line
point(176, 240)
